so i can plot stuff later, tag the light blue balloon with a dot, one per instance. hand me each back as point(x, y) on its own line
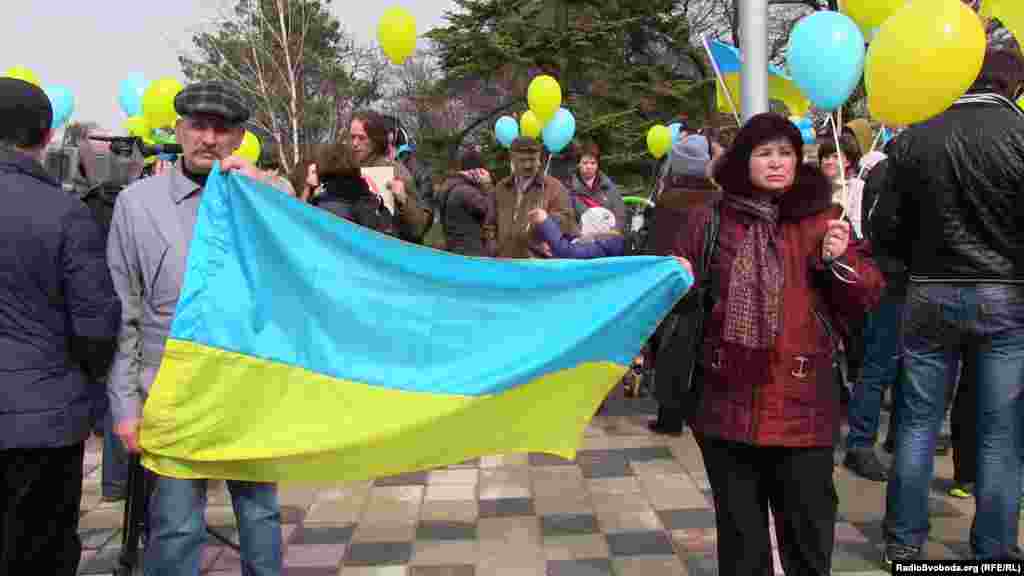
point(130, 94)
point(887, 135)
point(559, 131)
point(62, 101)
point(826, 58)
point(506, 130)
point(806, 128)
point(676, 129)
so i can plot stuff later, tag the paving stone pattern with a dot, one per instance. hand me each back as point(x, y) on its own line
point(631, 504)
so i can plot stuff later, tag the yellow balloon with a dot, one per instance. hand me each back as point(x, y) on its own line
point(137, 126)
point(396, 33)
point(926, 56)
point(22, 73)
point(659, 141)
point(870, 14)
point(529, 125)
point(1009, 12)
point(250, 148)
point(545, 97)
point(158, 103)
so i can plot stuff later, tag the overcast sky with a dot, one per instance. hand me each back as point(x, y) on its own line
point(91, 46)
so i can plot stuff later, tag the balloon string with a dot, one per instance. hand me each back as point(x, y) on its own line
point(878, 138)
point(836, 123)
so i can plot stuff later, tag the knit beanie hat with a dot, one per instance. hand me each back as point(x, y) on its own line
point(690, 156)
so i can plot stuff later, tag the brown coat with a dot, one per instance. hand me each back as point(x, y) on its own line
point(514, 235)
point(786, 395)
point(412, 219)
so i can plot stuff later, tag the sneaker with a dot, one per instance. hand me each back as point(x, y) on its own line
point(900, 553)
point(865, 463)
point(965, 490)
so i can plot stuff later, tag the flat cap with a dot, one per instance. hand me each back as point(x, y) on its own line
point(524, 144)
point(213, 98)
point(25, 112)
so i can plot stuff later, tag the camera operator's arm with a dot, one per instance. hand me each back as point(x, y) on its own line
point(123, 387)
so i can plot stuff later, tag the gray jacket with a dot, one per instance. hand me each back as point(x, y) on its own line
point(147, 250)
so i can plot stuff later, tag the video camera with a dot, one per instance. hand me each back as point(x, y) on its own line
point(116, 168)
point(127, 145)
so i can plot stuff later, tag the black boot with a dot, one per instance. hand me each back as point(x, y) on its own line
point(669, 422)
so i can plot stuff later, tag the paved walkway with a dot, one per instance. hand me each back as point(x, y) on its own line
point(632, 504)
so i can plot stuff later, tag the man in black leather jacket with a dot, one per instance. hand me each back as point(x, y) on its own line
point(955, 215)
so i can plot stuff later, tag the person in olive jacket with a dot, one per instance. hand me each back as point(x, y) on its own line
point(59, 319)
point(369, 138)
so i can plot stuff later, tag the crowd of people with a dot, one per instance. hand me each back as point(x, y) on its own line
point(908, 261)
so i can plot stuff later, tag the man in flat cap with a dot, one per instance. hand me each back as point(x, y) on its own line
point(519, 194)
point(147, 249)
point(59, 317)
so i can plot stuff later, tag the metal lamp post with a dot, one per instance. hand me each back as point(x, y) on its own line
point(754, 46)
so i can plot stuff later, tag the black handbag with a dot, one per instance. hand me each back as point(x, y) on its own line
point(678, 368)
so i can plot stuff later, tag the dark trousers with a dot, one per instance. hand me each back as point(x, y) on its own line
point(796, 483)
point(42, 493)
point(963, 426)
point(116, 461)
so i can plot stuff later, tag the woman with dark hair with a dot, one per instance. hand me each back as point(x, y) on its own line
point(305, 177)
point(466, 201)
point(590, 188)
point(369, 136)
point(783, 276)
point(847, 160)
point(347, 194)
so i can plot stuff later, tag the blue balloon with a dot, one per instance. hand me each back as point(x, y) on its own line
point(676, 129)
point(62, 101)
point(806, 127)
point(130, 94)
point(826, 58)
point(887, 135)
point(506, 130)
point(559, 131)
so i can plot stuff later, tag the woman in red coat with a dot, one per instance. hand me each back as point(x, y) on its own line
point(768, 408)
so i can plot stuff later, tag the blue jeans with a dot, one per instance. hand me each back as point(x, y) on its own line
point(881, 369)
point(986, 323)
point(177, 527)
point(116, 461)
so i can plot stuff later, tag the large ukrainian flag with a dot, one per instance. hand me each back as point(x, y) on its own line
point(307, 348)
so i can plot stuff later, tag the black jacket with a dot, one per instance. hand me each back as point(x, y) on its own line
point(351, 199)
point(59, 314)
point(953, 203)
point(877, 184)
point(465, 206)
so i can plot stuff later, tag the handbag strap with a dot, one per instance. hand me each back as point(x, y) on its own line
point(710, 242)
